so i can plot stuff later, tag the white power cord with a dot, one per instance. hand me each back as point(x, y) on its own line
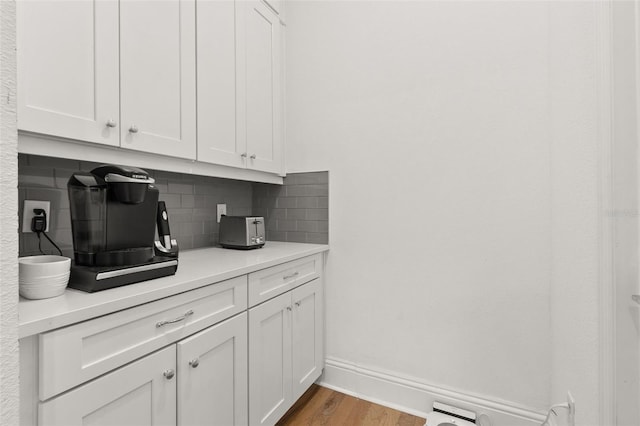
point(570, 406)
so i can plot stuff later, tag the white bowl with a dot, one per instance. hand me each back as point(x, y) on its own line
point(42, 292)
point(44, 280)
point(35, 267)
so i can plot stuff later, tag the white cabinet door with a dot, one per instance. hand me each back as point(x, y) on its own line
point(212, 375)
point(307, 332)
point(217, 79)
point(142, 394)
point(67, 53)
point(261, 48)
point(158, 76)
point(270, 360)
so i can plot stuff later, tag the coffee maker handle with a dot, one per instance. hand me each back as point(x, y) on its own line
point(166, 246)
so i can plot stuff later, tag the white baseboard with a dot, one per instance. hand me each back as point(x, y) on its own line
point(413, 397)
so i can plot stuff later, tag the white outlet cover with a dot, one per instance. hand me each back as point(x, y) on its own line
point(221, 209)
point(28, 213)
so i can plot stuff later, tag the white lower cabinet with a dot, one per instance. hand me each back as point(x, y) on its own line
point(142, 393)
point(201, 380)
point(204, 357)
point(285, 351)
point(212, 375)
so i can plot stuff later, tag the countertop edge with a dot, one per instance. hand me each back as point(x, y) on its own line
point(32, 326)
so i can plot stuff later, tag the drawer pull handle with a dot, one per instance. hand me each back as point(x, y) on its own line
point(295, 274)
point(169, 374)
point(289, 308)
point(297, 303)
point(175, 320)
point(194, 363)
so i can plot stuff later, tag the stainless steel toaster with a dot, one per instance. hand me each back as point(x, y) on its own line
point(242, 232)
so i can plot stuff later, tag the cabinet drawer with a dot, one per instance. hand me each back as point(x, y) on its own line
point(72, 355)
point(270, 282)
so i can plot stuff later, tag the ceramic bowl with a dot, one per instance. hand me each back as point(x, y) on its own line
point(37, 267)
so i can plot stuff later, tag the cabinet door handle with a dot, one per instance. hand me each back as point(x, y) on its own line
point(297, 303)
point(289, 308)
point(169, 374)
point(133, 129)
point(194, 363)
point(636, 298)
point(286, 277)
point(253, 156)
point(243, 155)
point(175, 320)
point(111, 123)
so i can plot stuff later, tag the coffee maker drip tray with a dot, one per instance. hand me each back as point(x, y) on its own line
point(96, 278)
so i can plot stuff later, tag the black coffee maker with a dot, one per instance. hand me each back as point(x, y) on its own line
point(112, 221)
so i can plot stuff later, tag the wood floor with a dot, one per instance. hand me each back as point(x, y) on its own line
point(322, 406)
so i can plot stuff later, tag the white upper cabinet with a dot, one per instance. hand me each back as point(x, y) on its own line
point(189, 79)
point(68, 69)
point(218, 140)
point(263, 98)
point(239, 85)
point(158, 76)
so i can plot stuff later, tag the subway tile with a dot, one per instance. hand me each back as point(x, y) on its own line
point(323, 202)
point(317, 214)
point(61, 177)
point(323, 226)
point(317, 238)
point(260, 211)
point(307, 226)
point(172, 201)
point(185, 242)
point(163, 186)
point(178, 215)
point(239, 211)
point(203, 241)
point(297, 237)
point(204, 214)
point(286, 225)
point(276, 236)
point(23, 160)
point(210, 227)
point(61, 219)
point(180, 188)
point(296, 214)
point(307, 202)
point(35, 177)
point(286, 203)
point(278, 213)
point(53, 163)
point(188, 201)
point(58, 198)
point(310, 178)
point(307, 190)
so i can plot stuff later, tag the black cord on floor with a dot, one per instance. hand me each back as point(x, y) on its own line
point(50, 240)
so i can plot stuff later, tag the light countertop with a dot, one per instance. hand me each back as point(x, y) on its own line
point(196, 268)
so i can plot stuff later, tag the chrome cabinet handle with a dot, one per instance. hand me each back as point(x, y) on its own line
point(297, 303)
point(133, 129)
point(295, 274)
point(243, 155)
point(636, 298)
point(253, 156)
point(111, 123)
point(175, 320)
point(169, 374)
point(194, 363)
point(289, 308)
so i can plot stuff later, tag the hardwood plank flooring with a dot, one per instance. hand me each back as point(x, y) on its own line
point(322, 406)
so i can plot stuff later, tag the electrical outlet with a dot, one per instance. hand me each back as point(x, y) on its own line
point(28, 214)
point(221, 209)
